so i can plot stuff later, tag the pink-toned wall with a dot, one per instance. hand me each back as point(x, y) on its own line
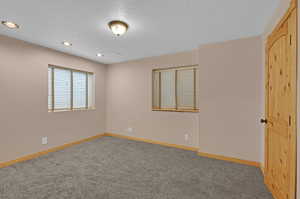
point(129, 102)
point(230, 98)
point(24, 116)
point(230, 101)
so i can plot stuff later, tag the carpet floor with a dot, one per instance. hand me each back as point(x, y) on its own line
point(113, 168)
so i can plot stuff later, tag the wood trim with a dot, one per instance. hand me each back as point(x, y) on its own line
point(293, 43)
point(229, 159)
point(153, 94)
point(262, 169)
point(195, 76)
point(195, 149)
point(282, 31)
point(38, 154)
point(177, 110)
point(193, 108)
point(293, 5)
point(73, 110)
point(53, 109)
point(266, 148)
point(187, 67)
point(66, 68)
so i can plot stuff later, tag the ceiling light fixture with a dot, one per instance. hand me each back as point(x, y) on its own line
point(118, 28)
point(10, 24)
point(66, 43)
point(99, 55)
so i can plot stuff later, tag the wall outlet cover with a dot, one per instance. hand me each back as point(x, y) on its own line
point(130, 130)
point(44, 140)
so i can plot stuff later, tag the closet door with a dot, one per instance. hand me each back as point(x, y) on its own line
point(280, 138)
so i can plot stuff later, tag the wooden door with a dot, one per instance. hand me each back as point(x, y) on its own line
point(281, 84)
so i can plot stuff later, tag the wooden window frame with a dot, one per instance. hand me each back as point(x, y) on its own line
point(53, 109)
point(194, 109)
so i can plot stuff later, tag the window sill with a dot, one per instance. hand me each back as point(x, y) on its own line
point(178, 110)
point(69, 110)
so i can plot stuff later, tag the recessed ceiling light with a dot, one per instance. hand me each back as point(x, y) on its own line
point(66, 43)
point(99, 55)
point(10, 24)
point(118, 28)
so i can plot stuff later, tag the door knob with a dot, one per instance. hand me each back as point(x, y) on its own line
point(264, 121)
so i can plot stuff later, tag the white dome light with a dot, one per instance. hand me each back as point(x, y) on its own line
point(118, 28)
point(10, 24)
point(66, 43)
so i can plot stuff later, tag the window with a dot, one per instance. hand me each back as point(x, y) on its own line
point(174, 89)
point(70, 89)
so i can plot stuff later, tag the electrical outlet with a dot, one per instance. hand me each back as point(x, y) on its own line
point(130, 130)
point(44, 140)
point(186, 137)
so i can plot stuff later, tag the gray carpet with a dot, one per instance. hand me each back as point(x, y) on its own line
point(112, 168)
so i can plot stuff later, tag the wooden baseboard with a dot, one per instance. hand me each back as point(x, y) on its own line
point(35, 155)
point(262, 168)
point(195, 149)
point(229, 159)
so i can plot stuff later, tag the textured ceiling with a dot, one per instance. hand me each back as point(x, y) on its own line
point(156, 26)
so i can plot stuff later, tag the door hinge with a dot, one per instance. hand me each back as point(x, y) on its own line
point(290, 120)
point(290, 39)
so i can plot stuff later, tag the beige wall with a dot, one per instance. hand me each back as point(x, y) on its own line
point(129, 102)
point(128, 92)
point(24, 117)
point(231, 86)
point(222, 128)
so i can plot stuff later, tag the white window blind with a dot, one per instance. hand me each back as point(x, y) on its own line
point(174, 89)
point(156, 89)
point(168, 89)
point(91, 90)
point(70, 89)
point(62, 89)
point(185, 88)
point(79, 89)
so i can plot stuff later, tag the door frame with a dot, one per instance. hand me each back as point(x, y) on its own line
point(277, 31)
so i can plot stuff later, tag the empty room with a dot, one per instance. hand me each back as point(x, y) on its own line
point(149, 99)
